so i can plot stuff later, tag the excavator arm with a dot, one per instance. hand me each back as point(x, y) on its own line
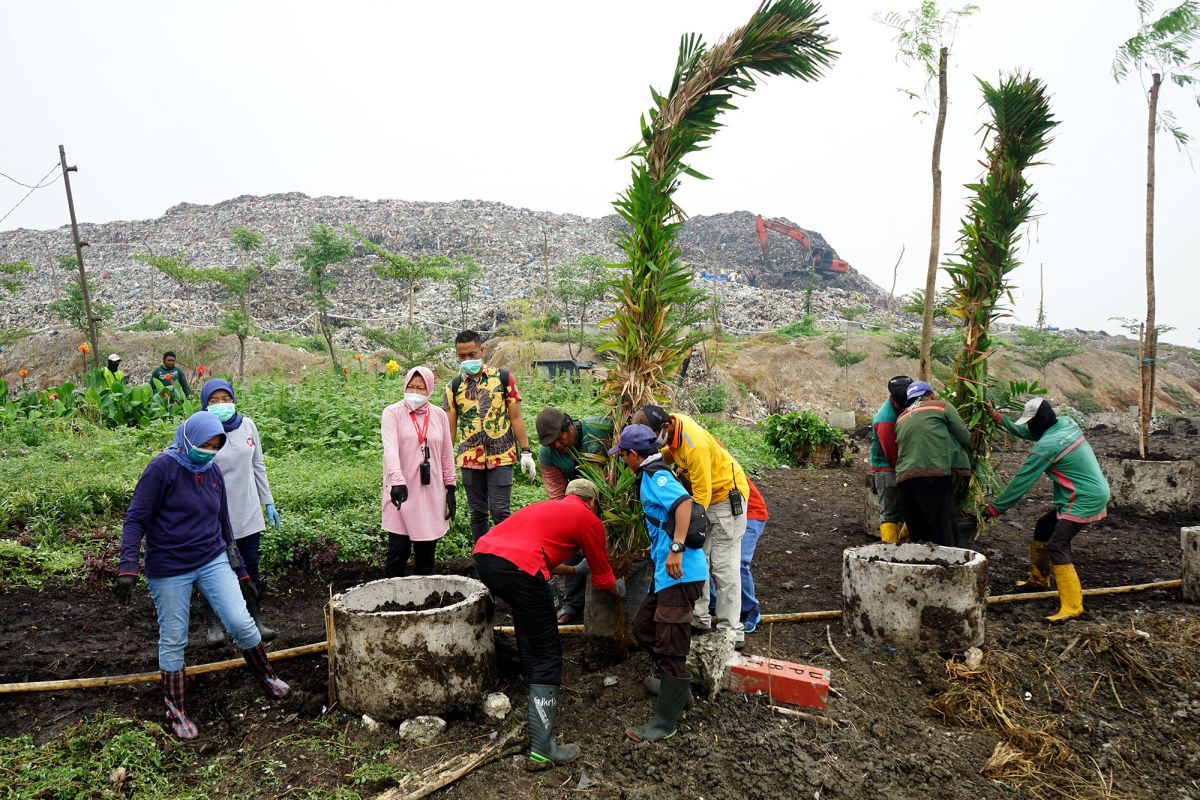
point(821, 256)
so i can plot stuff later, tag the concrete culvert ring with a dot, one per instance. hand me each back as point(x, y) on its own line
point(915, 596)
point(410, 646)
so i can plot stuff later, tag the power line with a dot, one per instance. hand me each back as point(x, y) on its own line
point(26, 185)
point(40, 185)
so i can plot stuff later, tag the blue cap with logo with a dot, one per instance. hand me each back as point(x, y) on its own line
point(635, 437)
point(918, 389)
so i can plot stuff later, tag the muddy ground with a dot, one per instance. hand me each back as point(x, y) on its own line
point(1115, 692)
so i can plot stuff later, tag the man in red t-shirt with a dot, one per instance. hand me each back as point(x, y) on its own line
point(515, 560)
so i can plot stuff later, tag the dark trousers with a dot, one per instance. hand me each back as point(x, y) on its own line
point(928, 508)
point(489, 493)
point(576, 589)
point(399, 547)
point(248, 546)
point(533, 616)
point(1057, 534)
point(663, 626)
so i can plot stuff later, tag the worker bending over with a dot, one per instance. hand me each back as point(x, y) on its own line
point(1081, 495)
point(931, 440)
point(883, 458)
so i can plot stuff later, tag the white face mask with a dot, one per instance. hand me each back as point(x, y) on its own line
point(661, 440)
point(415, 400)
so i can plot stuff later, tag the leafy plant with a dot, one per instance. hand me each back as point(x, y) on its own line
point(907, 344)
point(794, 434)
point(796, 330)
point(1002, 203)
point(579, 283)
point(462, 277)
point(70, 308)
point(711, 398)
point(151, 321)
point(399, 267)
point(914, 303)
point(409, 345)
point(852, 312)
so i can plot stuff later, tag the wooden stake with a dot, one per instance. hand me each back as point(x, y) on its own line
point(828, 722)
point(426, 782)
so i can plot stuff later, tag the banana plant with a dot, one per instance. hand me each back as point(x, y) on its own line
point(1001, 204)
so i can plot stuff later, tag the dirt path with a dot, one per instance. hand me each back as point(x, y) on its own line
point(1140, 727)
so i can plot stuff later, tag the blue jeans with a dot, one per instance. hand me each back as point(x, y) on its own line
point(750, 614)
point(172, 598)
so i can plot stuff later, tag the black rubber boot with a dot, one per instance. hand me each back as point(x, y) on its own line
point(544, 753)
point(672, 697)
point(254, 606)
point(653, 686)
point(215, 634)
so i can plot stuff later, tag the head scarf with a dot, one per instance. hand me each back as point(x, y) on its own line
point(233, 422)
point(193, 432)
point(426, 375)
point(1042, 421)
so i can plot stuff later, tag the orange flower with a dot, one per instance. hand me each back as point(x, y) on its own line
point(83, 348)
point(358, 357)
point(199, 369)
point(23, 373)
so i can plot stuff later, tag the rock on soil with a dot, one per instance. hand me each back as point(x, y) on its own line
point(422, 730)
point(709, 660)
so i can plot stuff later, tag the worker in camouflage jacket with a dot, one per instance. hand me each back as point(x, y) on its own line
point(1081, 495)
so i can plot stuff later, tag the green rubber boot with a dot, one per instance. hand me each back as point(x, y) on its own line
point(673, 695)
point(653, 686)
point(544, 753)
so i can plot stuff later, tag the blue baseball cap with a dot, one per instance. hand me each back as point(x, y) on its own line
point(635, 437)
point(918, 389)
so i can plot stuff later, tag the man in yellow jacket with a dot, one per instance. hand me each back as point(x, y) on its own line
point(717, 482)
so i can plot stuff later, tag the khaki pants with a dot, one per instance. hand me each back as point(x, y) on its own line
point(723, 546)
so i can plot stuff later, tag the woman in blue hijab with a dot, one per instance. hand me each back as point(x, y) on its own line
point(248, 492)
point(180, 509)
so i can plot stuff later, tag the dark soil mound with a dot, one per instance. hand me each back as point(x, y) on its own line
point(434, 600)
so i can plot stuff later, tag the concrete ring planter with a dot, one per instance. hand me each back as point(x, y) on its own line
point(915, 596)
point(1189, 539)
point(1150, 487)
point(393, 664)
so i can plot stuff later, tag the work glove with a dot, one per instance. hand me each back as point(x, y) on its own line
point(996, 415)
point(991, 511)
point(124, 588)
point(273, 515)
point(249, 590)
point(399, 495)
point(451, 501)
point(528, 466)
point(582, 568)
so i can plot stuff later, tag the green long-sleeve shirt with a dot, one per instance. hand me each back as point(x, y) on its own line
point(931, 440)
point(1081, 493)
point(167, 376)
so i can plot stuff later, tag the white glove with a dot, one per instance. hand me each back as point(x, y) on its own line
point(528, 466)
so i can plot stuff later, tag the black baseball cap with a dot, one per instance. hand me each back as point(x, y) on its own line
point(653, 417)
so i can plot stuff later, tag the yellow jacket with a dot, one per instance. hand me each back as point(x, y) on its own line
point(709, 469)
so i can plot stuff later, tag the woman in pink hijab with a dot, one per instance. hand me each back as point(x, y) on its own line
point(418, 475)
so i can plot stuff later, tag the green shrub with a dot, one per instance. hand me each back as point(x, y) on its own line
point(798, 329)
point(798, 431)
point(150, 322)
point(711, 398)
point(1084, 402)
point(1082, 376)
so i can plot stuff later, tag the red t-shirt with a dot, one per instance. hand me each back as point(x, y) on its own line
point(756, 507)
point(543, 535)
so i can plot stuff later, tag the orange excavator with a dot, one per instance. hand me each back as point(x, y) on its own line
point(822, 257)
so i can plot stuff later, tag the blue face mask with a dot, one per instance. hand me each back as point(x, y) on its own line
point(223, 411)
point(472, 366)
point(201, 456)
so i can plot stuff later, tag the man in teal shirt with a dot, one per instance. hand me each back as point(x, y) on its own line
point(883, 458)
point(1081, 495)
point(169, 374)
point(564, 443)
point(663, 624)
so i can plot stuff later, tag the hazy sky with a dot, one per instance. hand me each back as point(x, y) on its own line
point(529, 103)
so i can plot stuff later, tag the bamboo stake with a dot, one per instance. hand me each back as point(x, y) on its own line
point(422, 784)
point(331, 689)
point(320, 647)
point(828, 722)
point(150, 677)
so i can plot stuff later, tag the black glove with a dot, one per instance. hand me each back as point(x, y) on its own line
point(399, 495)
point(451, 501)
point(124, 588)
point(249, 590)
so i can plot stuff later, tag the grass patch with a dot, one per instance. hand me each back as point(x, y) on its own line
point(1083, 376)
point(1084, 402)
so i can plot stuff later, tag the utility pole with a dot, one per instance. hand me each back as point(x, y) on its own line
point(83, 282)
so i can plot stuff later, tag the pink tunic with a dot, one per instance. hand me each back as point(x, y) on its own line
point(422, 517)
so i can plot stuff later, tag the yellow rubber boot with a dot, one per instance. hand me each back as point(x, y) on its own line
point(1070, 593)
point(889, 532)
point(902, 536)
point(1039, 569)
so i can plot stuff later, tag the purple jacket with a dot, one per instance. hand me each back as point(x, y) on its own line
point(183, 516)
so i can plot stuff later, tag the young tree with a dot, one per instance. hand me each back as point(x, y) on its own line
point(1039, 349)
point(1018, 133)
point(239, 320)
point(410, 271)
point(325, 248)
point(462, 278)
point(11, 284)
point(178, 268)
point(924, 37)
point(580, 282)
point(71, 309)
point(409, 344)
point(845, 359)
point(1158, 50)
